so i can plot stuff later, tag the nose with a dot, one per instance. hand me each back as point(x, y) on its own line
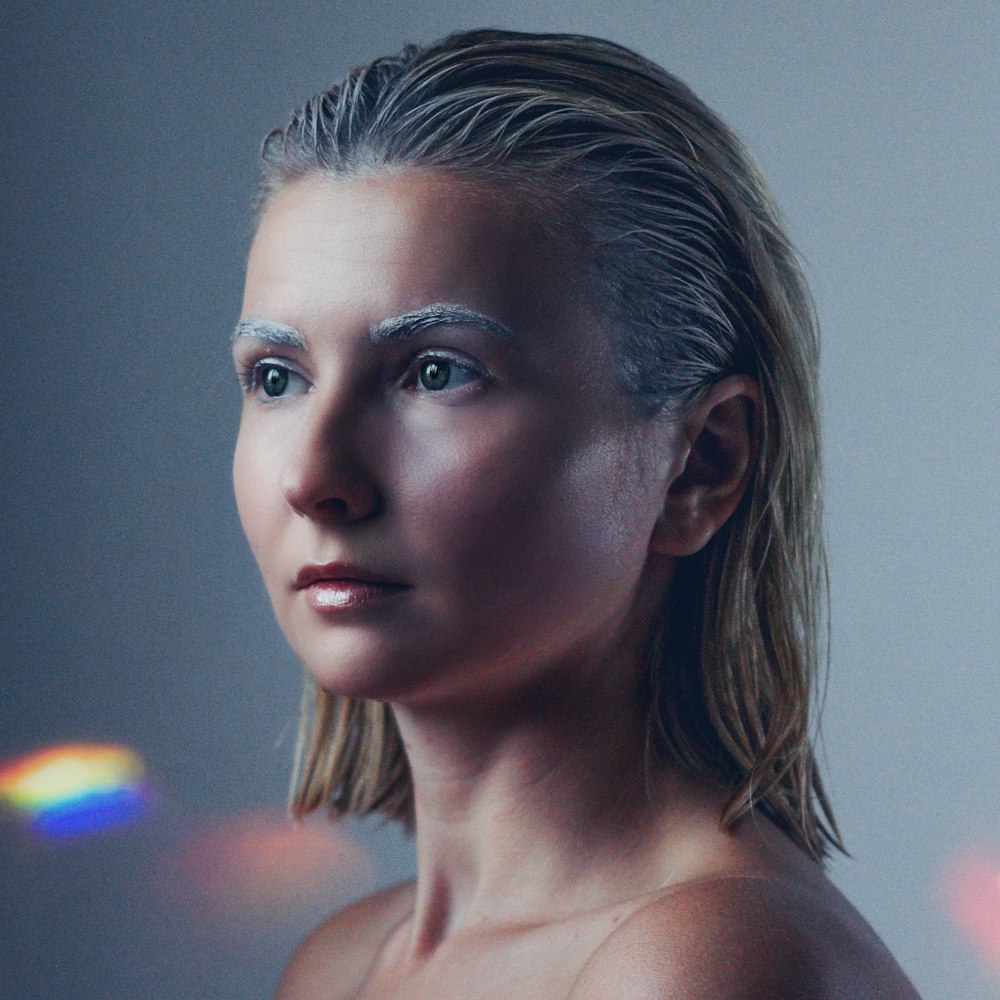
point(325, 475)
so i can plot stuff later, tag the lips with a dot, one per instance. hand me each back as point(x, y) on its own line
point(330, 572)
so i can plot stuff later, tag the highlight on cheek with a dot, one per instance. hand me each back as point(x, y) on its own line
point(75, 789)
point(969, 888)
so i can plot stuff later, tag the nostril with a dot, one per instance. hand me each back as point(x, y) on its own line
point(332, 505)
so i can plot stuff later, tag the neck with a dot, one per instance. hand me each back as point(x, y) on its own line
point(534, 810)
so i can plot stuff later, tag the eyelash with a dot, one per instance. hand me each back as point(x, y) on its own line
point(250, 374)
point(417, 362)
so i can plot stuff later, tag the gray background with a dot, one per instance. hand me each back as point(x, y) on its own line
point(132, 610)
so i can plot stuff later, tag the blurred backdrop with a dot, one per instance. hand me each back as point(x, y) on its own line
point(148, 700)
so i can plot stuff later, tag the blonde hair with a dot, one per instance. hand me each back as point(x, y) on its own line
point(678, 242)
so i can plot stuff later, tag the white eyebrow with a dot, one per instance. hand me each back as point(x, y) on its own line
point(411, 323)
point(269, 331)
point(394, 328)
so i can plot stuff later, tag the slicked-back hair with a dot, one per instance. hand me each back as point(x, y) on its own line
point(679, 246)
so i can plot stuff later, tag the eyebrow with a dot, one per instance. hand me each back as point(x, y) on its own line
point(394, 328)
point(409, 324)
point(270, 332)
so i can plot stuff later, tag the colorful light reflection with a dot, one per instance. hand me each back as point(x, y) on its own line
point(77, 788)
point(970, 889)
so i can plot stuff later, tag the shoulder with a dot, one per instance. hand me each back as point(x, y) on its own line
point(335, 958)
point(743, 937)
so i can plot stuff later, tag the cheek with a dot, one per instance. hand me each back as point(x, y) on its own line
point(525, 520)
point(598, 520)
point(253, 486)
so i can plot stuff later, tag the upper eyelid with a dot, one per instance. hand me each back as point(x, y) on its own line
point(246, 367)
point(447, 355)
point(249, 359)
point(248, 353)
point(253, 361)
point(248, 375)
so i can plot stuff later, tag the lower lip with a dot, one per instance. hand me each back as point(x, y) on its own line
point(350, 595)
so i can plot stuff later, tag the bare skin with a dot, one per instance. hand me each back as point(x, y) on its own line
point(536, 521)
point(743, 931)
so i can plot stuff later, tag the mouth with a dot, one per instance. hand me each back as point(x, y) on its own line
point(345, 587)
point(341, 572)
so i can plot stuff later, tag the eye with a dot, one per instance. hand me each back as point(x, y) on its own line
point(435, 373)
point(273, 379)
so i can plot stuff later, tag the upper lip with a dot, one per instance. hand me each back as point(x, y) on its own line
point(314, 572)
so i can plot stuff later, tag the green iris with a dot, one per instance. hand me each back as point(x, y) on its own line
point(274, 380)
point(435, 374)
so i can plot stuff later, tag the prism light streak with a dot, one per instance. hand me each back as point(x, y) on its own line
point(77, 788)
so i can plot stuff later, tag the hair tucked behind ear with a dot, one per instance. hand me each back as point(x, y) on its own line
point(678, 244)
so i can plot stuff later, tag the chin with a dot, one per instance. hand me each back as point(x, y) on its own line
point(361, 674)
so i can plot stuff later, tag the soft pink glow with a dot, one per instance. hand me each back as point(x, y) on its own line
point(970, 889)
point(256, 866)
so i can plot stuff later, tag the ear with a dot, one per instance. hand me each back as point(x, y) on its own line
point(717, 450)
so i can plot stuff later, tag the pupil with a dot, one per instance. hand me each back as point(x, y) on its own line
point(434, 374)
point(274, 381)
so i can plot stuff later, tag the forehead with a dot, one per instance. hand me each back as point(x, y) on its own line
point(366, 248)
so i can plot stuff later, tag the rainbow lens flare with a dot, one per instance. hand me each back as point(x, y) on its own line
point(77, 788)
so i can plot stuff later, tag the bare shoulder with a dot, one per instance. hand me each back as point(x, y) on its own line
point(743, 937)
point(334, 959)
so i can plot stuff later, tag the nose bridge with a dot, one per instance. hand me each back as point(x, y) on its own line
point(327, 473)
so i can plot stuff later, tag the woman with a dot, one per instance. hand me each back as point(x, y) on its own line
point(529, 461)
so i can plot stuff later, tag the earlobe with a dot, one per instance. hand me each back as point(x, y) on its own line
point(710, 476)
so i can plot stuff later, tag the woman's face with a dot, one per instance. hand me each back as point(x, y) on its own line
point(483, 459)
